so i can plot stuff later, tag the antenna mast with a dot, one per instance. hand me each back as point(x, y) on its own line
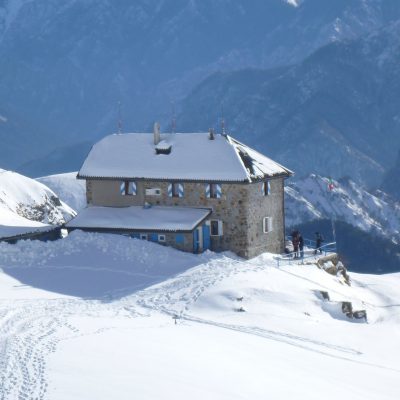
point(119, 118)
point(222, 119)
point(173, 121)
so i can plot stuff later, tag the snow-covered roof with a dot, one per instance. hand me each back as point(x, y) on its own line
point(174, 219)
point(193, 156)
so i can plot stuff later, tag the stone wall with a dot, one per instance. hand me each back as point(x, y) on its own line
point(265, 206)
point(187, 244)
point(241, 207)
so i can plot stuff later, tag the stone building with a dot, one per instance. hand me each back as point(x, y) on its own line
point(192, 191)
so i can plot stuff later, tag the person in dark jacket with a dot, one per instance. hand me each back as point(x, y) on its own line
point(318, 242)
point(301, 245)
point(295, 241)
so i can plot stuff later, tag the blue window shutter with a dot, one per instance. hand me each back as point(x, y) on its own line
point(133, 188)
point(266, 188)
point(179, 238)
point(181, 191)
point(219, 191)
point(170, 190)
point(207, 190)
point(220, 229)
point(122, 188)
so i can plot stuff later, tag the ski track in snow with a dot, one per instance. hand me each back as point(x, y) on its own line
point(175, 299)
point(26, 338)
point(30, 330)
point(293, 340)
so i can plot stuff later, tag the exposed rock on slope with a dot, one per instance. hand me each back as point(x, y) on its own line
point(27, 205)
point(309, 199)
point(69, 189)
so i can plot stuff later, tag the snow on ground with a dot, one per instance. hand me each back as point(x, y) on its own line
point(91, 317)
point(13, 225)
point(28, 206)
point(71, 190)
point(309, 198)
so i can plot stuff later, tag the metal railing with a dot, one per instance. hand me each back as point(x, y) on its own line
point(310, 251)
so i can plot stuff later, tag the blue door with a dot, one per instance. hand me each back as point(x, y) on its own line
point(195, 241)
point(206, 237)
point(153, 237)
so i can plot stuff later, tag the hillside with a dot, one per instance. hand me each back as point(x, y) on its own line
point(327, 114)
point(28, 206)
point(391, 180)
point(367, 224)
point(57, 343)
point(71, 190)
point(78, 59)
point(309, 199)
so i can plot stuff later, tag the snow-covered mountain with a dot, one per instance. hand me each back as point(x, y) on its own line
point(65, 64)
point(27, 205)
point(97, 316)
point(71, 190)
point(309, 198)
point(391, 180)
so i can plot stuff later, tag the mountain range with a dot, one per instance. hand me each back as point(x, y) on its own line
point(65, 65)
point(336, 113)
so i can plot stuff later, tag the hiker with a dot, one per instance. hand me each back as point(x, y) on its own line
point(301, 245)
point(295, 241)
point(318, 242)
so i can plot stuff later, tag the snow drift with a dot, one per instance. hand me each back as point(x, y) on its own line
point(164, 324)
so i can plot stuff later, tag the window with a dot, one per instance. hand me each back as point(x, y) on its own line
point(127, 188)
point(153, 192)
point(213, 190)
point(161, 238)
point(175, 189)
point(267, 224)
point(143, 236)
point(216, 227)
point(266, 188)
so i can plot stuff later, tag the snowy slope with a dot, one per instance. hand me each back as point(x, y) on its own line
point(289, 343)
point(309, 198)
point(71, 190)
point(27, 206)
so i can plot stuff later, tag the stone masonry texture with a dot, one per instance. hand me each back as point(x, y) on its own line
point(241, 207)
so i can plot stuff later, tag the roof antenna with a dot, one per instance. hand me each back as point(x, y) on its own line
point(173, 121)
point(119, 118)
point(222, 119)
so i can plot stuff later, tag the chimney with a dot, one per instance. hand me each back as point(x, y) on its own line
point(156, 132)
point(211, 135)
